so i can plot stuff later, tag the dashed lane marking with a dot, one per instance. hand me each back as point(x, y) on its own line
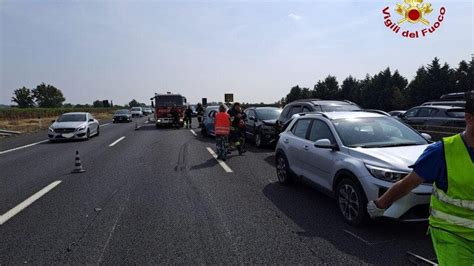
point(103, 125)
point(117, 141)
point(221, 163)
point(194, 133)
point(9, 214)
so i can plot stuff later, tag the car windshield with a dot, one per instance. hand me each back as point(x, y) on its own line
point(72, 118)
point(136, 109)
point(119, 112)
point(339, 108)
point(376, 132)
point(169, 100)
point(268, 113)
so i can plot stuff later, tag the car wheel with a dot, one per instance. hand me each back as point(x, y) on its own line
point(352, 202)
point(98, 131)
point(284, 174)
point(88, 134)
point(258, 140)
point(204, 132)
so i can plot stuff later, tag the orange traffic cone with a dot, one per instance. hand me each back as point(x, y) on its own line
point(77, 165)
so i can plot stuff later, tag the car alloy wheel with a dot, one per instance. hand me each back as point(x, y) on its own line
point(352, 202)
point(258, 140)
point(282, 169)
point(88, 134)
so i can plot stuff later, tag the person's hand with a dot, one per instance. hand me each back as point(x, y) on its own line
point(373, 210)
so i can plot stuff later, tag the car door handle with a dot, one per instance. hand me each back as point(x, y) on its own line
point(306, 147)
point(286, 141)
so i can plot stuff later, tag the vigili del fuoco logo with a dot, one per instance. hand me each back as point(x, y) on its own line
point(414, 12)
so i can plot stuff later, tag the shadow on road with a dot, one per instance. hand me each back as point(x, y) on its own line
point(209, 163)
point(318, 216)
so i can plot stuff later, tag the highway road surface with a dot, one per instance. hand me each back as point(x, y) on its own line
point(159, 196)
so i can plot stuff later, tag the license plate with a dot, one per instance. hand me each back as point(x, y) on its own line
point(68, 135)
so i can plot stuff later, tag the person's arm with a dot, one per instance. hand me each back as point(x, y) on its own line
point(399, 190)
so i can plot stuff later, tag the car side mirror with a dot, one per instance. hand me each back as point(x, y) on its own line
point(326, 144)
point(426, 136)
point(252, 118)
point(91, 120)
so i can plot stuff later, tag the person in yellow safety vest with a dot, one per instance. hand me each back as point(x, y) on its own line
point(221, 129)
point(449, 165)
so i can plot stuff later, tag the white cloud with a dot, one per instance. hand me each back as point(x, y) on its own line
point(295, 17)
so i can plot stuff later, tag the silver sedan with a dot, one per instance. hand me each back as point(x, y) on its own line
point(78, 125)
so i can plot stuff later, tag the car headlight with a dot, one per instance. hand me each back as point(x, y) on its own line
point(385, 174)
point(180, 120)
point(159, 120)
point(81, 128)
point(50, 129)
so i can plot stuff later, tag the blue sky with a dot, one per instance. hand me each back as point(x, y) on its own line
point(121, 50)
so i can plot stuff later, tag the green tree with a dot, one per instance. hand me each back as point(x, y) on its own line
point(351, 89)
point(98, 103)
point(23, 97)
point(463, 77)
point(295, 94)
point(327, 89)
point(133, 103)
point(48, 96)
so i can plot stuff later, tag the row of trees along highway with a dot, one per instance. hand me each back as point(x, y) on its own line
point(48, 96)
point(385, 90)
point(389, 90)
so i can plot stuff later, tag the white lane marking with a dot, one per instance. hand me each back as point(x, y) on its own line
point(117, 141)
point(221, 163)
point(18, 208)
point(103, 125)
point(194, 133)
point(22, 147)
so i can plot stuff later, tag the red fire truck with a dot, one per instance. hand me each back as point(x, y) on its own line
point(164, 103)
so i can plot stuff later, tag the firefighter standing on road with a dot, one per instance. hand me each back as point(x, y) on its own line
point(188, 116)
point(237, 129)
point(200, 113)
point(175, 114)
point(221, 130)
point(449, 165)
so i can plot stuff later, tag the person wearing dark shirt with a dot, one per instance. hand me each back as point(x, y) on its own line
point(188, 116)
point(200, 113)
point(449, 165)
point(237, 128)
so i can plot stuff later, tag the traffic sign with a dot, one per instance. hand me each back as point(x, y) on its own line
point(228, 97)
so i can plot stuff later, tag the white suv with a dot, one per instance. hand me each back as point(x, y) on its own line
point(356, 156)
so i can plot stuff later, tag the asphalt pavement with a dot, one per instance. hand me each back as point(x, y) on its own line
point(159, 196)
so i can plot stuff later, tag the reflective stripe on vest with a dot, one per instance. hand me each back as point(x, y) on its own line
point(452, 219)
point(467, 204)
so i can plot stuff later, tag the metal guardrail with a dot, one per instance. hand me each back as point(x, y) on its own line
point(7, 133)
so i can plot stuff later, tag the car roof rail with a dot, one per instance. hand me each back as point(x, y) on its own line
point(313, 113)
point(373, 111)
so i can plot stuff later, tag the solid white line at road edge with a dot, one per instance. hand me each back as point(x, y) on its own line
point(103, 125)
point(224, 165)
point(22, 147)
point(18, 208)
point(117, 141)
point(194, 133)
